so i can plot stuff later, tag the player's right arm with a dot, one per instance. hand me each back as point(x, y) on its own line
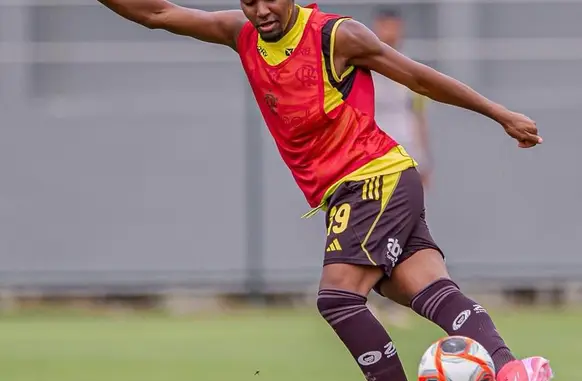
point(220, 27)
point(356, 45)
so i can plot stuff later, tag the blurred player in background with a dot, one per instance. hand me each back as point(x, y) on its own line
point(310, 74)
point(399, 111)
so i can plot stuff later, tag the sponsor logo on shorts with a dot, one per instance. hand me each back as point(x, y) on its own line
point(370, 358)
point(461, 319)
point(394, 250)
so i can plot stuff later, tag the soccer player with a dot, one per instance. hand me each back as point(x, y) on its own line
point(310, 72)
point(399, 111)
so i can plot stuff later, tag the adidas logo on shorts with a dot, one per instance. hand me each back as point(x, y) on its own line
point(334, 246)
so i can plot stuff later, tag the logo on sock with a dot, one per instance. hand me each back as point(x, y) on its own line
point(393, 250)
point(479, 309)
point(370, 358)
point(461, 319)
point(370, 377)
point(390, 350)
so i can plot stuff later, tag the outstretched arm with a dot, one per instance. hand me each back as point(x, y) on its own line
point(357, 45)
point(221, 27)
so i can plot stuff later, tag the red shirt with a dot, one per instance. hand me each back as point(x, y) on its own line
point(319, 148)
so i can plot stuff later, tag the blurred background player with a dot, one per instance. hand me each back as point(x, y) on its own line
point(399, 111)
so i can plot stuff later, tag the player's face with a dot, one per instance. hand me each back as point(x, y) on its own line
point(389, 30)
point(270, 17)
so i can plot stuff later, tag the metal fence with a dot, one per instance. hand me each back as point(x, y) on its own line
point(127, 163)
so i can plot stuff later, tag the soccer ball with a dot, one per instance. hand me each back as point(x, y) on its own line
point(456, 358)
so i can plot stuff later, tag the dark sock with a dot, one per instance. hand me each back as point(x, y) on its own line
point(362, 334)
point(445, 305)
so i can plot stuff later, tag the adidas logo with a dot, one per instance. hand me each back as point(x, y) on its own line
point(334, 246)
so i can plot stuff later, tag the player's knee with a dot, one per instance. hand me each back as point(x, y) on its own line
point(353, 278)
point(388, 289)
point(333, 304)
point(415, 274)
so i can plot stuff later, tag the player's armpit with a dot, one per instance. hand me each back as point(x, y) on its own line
point(356, 45)
point(220, 27)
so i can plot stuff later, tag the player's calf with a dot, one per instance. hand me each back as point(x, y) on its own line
point(423, 283)
point(362, 334)
point(343, 304)
point(443, 303)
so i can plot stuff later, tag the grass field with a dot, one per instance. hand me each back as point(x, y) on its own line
point(283, 345)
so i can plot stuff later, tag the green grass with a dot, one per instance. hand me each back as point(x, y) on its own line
point(283, 345)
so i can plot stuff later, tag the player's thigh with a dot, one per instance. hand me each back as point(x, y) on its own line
point(422, 264)
point(368, 224)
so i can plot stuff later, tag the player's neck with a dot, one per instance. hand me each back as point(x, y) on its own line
point(292, 20)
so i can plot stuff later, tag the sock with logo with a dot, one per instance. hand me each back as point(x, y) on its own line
point(362, 334)
point(445, 305)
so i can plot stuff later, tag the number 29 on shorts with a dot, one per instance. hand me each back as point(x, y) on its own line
point(339, 217)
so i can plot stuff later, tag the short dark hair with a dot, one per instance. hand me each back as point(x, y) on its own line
point(384, 12)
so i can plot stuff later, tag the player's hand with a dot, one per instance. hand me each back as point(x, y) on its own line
point(522, 129)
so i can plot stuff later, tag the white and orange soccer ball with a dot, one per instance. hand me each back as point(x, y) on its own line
point(456, 358)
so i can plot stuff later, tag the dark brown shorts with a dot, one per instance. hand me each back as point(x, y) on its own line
point(379, 221)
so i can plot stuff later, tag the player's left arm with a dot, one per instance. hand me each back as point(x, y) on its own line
point(357, 45)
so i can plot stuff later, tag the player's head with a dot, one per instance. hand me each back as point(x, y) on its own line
point(388, 26)
point(272, 18)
